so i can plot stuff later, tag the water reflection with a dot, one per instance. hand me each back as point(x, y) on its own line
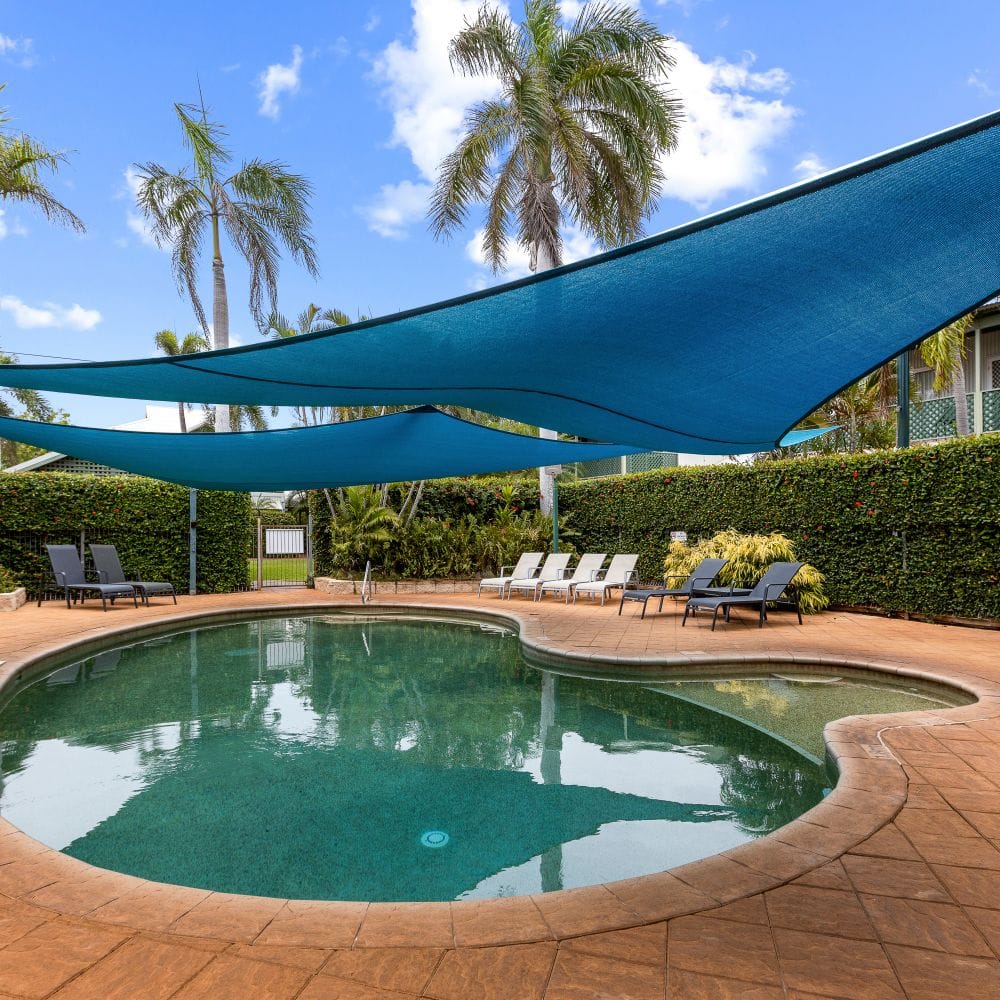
point(307, 757)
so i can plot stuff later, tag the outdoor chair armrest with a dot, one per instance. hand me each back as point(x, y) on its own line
point(562, 574)
point(629, 574)
point(504, 569)
point(101, 576)
point(60, 577)
point(597, 574)
point(677, 576)
point(767, 591)
point(706, 580)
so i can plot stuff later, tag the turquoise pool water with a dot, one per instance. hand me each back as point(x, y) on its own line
point(325, 757)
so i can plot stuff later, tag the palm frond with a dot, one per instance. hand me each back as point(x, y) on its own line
point(488, 45)
point(204, 139)
point(464, 176)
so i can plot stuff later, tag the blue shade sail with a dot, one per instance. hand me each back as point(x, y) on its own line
point(416, 444)
point(715, 337)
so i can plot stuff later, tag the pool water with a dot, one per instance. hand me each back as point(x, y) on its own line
point(325, 757)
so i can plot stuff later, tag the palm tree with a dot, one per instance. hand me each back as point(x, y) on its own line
point(944, 352)
point(361, 523)
point(22, 160)
point(576, 135)
point(166, 341)
point(32, 405)
point(259, 206)
point(579, 129)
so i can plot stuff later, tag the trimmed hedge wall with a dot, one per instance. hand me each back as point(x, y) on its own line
point(841, 511)
point(145, 518)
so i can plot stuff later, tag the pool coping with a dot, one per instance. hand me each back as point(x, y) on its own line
point(870, 792)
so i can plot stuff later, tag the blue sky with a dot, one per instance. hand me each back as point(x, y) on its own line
point(359, 98)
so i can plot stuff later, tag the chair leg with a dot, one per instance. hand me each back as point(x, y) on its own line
point(687, 608)
point(763, 614)
point(67, 598)
point(621, 604)
point(715, 615)
point(104, 603)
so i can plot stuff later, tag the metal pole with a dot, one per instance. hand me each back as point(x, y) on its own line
point(193, 542)
point(309, 546)
point(903, 399)
point(260, 554)
point(555, 515)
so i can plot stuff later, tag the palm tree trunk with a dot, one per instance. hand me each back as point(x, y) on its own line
point(220, 317)
point(180, 413)
point(961, 410)
point(546, 484)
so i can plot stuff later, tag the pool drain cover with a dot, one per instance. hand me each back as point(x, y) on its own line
point(434, 838)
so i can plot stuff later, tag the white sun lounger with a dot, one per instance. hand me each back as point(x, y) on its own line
point(617, 575)
point(527, 566)
point(554, 568)
point(586, 570)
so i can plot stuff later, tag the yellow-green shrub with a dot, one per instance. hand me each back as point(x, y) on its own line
point(749, 556)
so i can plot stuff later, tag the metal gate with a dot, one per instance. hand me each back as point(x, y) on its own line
point(283, 555)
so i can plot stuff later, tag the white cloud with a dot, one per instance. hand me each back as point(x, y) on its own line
point(979, 80)
point(374, 20)
point(397, 207)
point(427, 99)
point(279, 79)
point(726, 130)
point(27, 317)
point(811, 165)
point(576, 246)
point(11, 228)
point(18, 50)
point(135, 222)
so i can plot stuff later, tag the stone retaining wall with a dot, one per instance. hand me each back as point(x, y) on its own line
point(13, 599)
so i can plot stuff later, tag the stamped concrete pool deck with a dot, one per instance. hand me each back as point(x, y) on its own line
point(889, 888)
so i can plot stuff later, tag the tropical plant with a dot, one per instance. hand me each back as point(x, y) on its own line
point(166, 342)
point(862, 413)
point(22, 162)
point(944, 353)
point(361, 525)
point(259, 206)
point(239, 416)
point(576, 134)
point(749, 556)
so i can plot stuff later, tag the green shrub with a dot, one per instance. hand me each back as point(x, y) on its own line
point(146, 519)
point(7, 581)
point(749, 556)
point(912, 530)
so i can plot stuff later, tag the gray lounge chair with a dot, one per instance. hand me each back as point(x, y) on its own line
point(109, 570)
point(698, 582)
point(769, 588)
point(68, 572)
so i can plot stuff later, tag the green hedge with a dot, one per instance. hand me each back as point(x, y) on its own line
point(146, 519)
point(841, 511)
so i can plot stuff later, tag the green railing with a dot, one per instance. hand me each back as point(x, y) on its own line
point(643, 462)
point(935, 418)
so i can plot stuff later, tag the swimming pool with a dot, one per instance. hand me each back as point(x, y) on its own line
point(328, 757)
